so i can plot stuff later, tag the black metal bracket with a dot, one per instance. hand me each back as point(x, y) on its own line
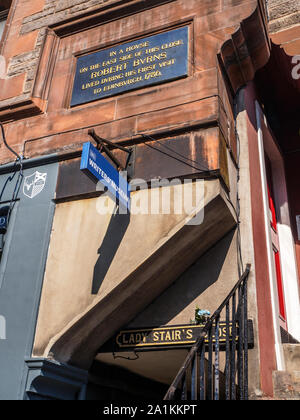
point(102, 147)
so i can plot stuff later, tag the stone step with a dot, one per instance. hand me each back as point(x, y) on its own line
point(292, 357)
point(286, 385)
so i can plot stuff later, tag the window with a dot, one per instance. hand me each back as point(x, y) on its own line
point(4, 9)
point(3, 18)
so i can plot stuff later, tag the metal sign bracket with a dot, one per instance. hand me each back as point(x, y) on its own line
point(103, 146)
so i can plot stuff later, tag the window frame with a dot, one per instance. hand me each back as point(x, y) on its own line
point(4, 14)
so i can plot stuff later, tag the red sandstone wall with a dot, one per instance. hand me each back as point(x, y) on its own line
point(33, 101)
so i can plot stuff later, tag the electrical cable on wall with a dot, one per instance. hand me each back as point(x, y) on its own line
point(202, 169)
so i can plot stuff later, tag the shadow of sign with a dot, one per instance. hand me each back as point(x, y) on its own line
point(107, 251)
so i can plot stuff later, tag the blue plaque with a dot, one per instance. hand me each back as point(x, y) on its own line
point(138, 64)
point(98, 168)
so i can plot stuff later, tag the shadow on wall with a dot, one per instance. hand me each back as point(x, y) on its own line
point(107, 251)
point(188, 287)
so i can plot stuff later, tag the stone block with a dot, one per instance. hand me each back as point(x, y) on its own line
point(286, 385)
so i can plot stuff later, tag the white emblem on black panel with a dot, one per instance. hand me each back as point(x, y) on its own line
point(34, 184)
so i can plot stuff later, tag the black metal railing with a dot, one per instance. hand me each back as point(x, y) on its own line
point(218, 369)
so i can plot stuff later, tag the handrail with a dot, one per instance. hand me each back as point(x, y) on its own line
point(237, 313)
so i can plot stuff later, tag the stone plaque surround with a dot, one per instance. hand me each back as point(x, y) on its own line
point(62, 62)
point(130, 66)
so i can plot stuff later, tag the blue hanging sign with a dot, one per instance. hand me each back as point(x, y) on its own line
point(94, 165)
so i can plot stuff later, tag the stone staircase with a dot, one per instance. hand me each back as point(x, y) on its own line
point(287, 383)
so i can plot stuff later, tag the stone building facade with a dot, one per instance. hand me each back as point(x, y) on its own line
point(71, 276)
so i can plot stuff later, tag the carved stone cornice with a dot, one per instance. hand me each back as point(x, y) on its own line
point(247, 50)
